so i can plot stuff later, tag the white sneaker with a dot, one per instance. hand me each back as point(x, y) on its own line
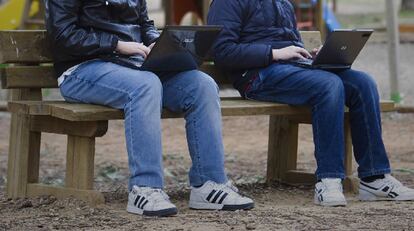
point(328, 192)
point(386, 189)
point(150, 202)
point(215, 196)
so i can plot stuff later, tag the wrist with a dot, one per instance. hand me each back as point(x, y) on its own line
point(275, 55)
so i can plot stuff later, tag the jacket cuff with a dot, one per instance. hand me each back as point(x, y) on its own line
point(108, 43)
point(114, 43)
point(153, 37)
point(269, 56)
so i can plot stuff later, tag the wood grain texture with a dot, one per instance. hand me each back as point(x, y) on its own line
point(295, 177)
point(282, 148)
point(77, 128)
point(88, 112)
point(93, 197)
point(80, 162)
point(3, 106)
point(24, 147)
point(28, 77)
point(405, 109)
point(23, 46)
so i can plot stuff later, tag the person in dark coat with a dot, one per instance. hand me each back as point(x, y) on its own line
point(258, 48)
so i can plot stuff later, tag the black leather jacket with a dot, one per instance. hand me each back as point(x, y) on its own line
point(80, 30)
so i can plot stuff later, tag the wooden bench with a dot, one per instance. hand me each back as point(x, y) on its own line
point(31, 115)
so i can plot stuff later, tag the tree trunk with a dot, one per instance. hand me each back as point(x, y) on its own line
point(407, 5)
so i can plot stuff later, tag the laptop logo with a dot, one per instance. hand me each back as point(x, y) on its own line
point(343, 48)
point(189, 40)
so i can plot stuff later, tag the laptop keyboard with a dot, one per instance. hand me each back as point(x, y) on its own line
point(307, 62)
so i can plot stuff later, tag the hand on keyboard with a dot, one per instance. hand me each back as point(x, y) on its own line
point(289, 53)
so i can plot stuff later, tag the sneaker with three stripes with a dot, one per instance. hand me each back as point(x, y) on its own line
point(387, 188)
point(150, 202)
point(214, 196)
point(329, 192)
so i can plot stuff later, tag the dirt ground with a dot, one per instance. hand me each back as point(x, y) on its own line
point(278, 207)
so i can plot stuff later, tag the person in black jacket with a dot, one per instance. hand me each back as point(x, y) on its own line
point(83, 34)
point(258, 48)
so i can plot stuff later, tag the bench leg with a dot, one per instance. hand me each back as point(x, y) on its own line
point(282, 149)
point(282, 153)
point(80, 170)
point(350, 182)
point(80, 158)
point(80, 162)
point(23, 159)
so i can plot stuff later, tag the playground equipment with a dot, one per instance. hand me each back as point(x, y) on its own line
point(16, 14)
point(175, 10)
point(311, 14)
point(315, 14)
point(331, 22)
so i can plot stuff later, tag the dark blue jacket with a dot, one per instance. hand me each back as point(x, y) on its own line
point(252, 28)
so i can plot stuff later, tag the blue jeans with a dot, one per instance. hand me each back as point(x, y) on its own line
point(327, 93)
point(141, 95)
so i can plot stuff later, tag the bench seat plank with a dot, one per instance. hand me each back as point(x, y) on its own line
point(87, 112)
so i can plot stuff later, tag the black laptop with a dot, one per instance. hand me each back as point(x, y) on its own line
point(179, 48)
point(339, 51)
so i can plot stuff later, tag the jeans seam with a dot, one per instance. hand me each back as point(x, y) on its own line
point(330, 175)
point(367, 128)
point(197, 152)
point(317, 148)
point(374, 172)
point(194, 122)
point(130, 130)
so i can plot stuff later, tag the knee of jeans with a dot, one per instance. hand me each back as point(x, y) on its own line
point(364, 81)
point(204, 87)
point(150, 86)
point(332, 88)
point(201, 92)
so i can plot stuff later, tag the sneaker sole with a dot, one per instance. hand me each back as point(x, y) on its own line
point(330, 204)
point(365, 195)
point(210, 206)
point(159, 213)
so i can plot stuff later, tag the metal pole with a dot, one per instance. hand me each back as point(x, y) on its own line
point(393, 49)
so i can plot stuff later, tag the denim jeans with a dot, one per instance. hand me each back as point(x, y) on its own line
point(327, 93)
point(142, 95)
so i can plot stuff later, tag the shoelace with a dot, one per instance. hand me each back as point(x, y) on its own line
point(230, 185)
point(333, 185)
point(156, 195)
point(390, 180)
